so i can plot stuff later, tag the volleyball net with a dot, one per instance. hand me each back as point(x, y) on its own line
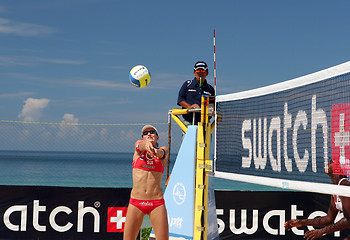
point(284, 135)
point(54, 154)
point(78, 137)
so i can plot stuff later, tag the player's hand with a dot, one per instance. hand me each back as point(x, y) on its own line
point(292, 223)
point(313, 234)
point(328, 169)
point(150, 149)
point(159, 152)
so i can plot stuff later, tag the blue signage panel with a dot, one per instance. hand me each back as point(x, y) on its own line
point(179, 194)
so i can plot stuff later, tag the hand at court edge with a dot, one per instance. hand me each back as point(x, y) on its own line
point(313, 234)
point(292, 223)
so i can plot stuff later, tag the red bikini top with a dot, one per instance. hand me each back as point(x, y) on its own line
point(147, 163)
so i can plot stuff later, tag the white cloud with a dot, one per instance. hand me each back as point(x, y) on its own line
point(14, 61)
point(33, 108)
point(67, 130)
point(106, 84)
point(69, 118)
point(169, 80)
point(118, 67)
point(15, 95)
point(60, 61)
point(23, 29)
point(32, 61)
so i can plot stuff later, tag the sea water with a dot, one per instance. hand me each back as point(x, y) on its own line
point(83, 169)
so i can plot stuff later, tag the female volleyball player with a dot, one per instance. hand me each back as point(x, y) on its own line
point(146, 194)
point(338, 203)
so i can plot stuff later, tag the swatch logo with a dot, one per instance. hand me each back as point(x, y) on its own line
point(116, 219)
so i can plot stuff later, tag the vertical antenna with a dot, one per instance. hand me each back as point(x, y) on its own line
point(215, 104)
point(214, 64)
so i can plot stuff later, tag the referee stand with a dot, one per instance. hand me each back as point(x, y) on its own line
point(189, 196)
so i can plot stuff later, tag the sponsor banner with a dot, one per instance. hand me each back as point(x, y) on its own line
point(261, 215)
point(31, 212)
point(35, 212)
point(288, 130)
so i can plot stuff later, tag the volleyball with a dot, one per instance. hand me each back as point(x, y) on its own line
point(140, 76)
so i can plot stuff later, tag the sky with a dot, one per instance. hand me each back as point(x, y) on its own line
point(69, 60)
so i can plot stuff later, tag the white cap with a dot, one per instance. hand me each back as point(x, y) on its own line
point(148, 126)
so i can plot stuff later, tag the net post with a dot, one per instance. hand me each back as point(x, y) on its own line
point(201, 180)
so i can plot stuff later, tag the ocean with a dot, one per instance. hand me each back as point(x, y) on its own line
point(84, 169)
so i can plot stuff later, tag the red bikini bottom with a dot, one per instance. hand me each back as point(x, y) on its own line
point(146, 206)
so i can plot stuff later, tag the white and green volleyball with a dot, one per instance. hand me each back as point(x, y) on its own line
point(140, 76)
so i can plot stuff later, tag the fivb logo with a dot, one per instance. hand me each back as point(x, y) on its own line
point(179, 193)
point(341, 138)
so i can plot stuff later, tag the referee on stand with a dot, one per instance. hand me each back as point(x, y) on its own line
point(191, 92)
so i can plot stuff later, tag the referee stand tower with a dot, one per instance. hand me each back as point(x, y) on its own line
point(189, 196)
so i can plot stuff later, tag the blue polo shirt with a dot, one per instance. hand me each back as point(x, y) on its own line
point(192, 93)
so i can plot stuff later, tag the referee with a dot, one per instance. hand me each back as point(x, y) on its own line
point(191, 92)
